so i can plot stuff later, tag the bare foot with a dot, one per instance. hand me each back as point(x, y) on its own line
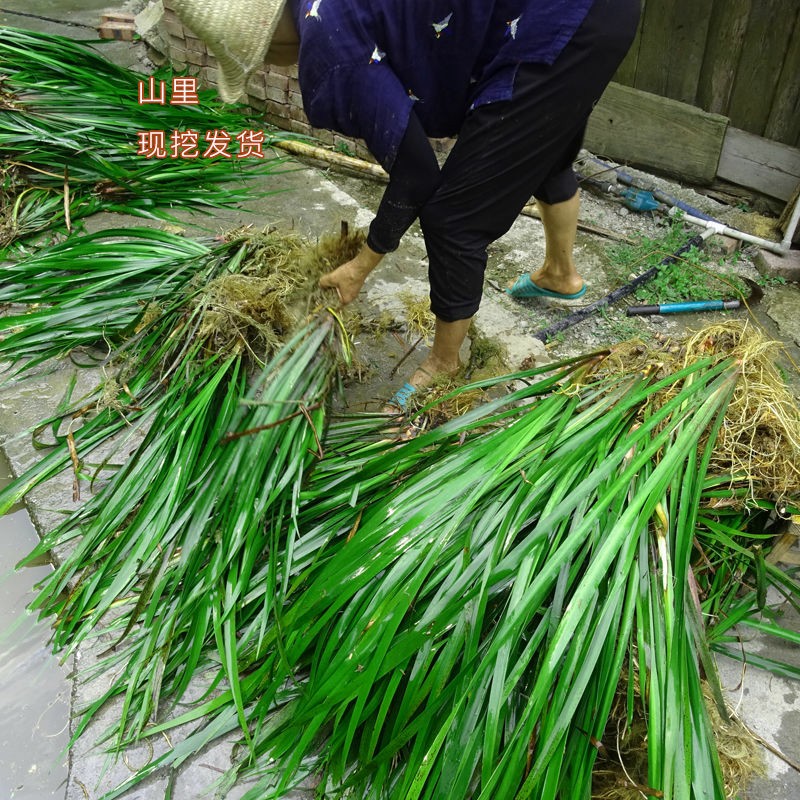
point(350, 276)
point(426, 374)
point(433, 369)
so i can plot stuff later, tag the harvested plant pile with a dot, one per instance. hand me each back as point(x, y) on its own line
point(480, 612)
point(69, 125)
point(453, 616)
point(759, 442)
point(151, 307)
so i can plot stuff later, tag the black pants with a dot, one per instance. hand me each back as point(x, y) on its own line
point(509, 151)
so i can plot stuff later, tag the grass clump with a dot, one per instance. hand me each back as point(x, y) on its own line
point(692, 277)
point(159, 312)
point(270, 285)
point(69, 123)
point(420, 321)
point(487, 356)
point(758, 445)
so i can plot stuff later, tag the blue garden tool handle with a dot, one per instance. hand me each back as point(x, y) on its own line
point(679, 308)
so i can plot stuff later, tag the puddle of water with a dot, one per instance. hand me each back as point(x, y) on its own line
point(34, 692)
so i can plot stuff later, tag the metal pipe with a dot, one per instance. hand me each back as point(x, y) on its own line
point(792, 225)
point(717, 227)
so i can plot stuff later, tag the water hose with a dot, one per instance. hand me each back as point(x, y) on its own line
point(635, 199)
point(662, 197)
point(692, 214)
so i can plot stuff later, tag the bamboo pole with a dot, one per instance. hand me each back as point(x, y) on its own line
point(329, 156)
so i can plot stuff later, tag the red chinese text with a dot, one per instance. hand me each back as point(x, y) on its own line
point(184, 92)
point(186, 144)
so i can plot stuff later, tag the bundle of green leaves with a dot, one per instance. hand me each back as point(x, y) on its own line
point(69, 126)
point(449, 616)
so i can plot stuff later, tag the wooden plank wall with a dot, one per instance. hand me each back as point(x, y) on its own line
point(738, 58)
point(657, 132)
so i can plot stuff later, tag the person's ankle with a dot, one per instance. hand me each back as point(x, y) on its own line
point(434, 368)
point(556, 270)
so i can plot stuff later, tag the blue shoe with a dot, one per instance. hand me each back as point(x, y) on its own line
point(525, 287)
point(401, 397)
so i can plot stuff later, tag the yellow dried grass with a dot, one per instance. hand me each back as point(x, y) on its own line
point(759, 441)
point(620, 772)
point(273, 289)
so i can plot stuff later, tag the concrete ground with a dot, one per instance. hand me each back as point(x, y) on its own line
point(314, 202)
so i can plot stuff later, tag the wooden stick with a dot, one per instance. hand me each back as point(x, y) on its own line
point(405, 356)
point(771, 747)
point(783, 549)
point(531, 211)
point(331, 157)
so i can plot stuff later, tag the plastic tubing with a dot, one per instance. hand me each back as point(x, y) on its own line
point(717, 227)
point(662, 197)
point(697, 217)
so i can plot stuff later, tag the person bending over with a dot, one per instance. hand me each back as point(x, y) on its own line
point(513, 80)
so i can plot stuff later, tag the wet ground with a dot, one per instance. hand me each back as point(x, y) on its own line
point(35, 690)
point(316, 203)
